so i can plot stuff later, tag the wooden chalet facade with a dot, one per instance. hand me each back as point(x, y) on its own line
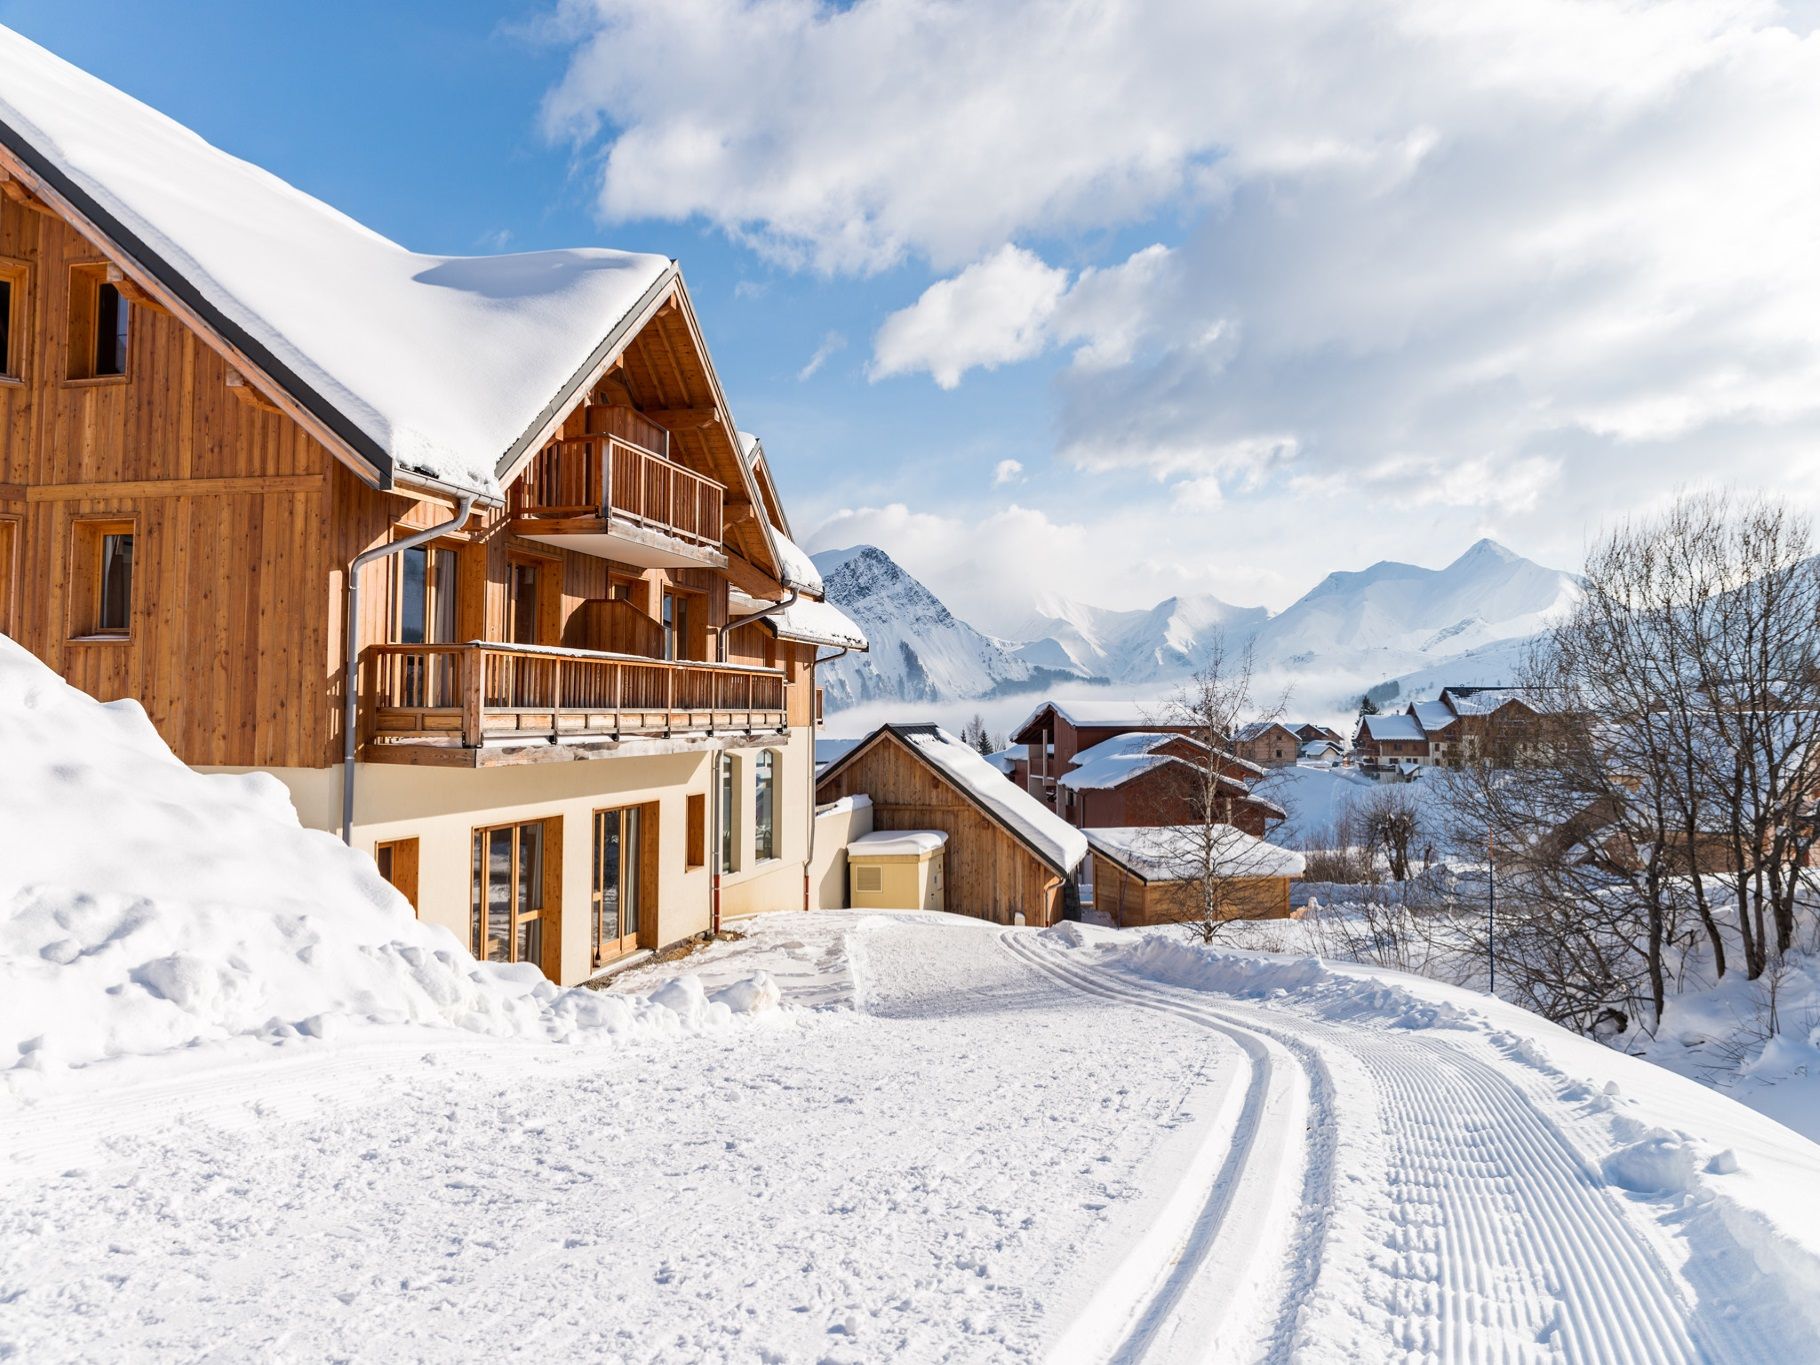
point(1006, 855)
point(1156, 778)
point(1462, 725)
point(1056, 732)
point(566, 745)
point(1135, 885)
point(1270, 744)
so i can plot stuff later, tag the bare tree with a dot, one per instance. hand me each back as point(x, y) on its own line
point(1390, 826)
point(1668, 789)
point(1214, 859)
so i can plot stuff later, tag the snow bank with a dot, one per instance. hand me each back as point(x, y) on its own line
point(144, 907)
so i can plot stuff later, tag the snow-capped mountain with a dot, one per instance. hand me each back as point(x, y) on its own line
point(1352, 631)
point(1167, 640)
point(920, 651)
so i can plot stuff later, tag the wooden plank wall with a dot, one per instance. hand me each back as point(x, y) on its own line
point(227, 504)
point(988, 873)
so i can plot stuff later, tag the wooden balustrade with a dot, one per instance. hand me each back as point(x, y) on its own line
point(463, 695)
point(607, 477)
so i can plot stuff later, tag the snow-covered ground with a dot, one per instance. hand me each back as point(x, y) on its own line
point(950, 1141)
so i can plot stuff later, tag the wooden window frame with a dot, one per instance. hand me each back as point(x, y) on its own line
point(81, 331)
point(12, 536)
point(549, 911)
point(547, 627)
point(88, 543)
point(433, 588)
point(765, 852)
point(645, 936)
point(17, 273)
point(399, 866)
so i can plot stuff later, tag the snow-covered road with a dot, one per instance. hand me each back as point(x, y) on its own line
point(962, 1143)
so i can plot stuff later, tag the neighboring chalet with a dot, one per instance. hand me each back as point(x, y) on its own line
point(1152, 777)
point(1007, 855)
point(1313, 734)
point(466, 552)
point(1148, 875)
point(1056, 731)
point(1268, 743)
point(1458, 727)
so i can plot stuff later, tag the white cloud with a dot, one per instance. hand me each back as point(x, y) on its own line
point(830, 343)
point(1428, 263)
point(1007, 471)
point(1011, 306)
point(993, 312)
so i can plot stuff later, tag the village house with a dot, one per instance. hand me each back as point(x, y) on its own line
point(1154, 777)
point(1016, 858)
point(1151, 875)
point(1268, 743)
point(1459, 726)
point(466, 552)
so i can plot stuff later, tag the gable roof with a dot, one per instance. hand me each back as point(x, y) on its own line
point(1432, 715)
point(1401, 726)
point(1255, 729)
point(1482, 701)
point(1054, 842)
point(1091, 713)
point(1159, 853)
point(440, 366)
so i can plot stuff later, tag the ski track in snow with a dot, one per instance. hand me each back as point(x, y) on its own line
point(1496, 1240)
point(1002, 1150)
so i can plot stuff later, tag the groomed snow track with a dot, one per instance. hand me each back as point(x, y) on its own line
point(1491, 1237)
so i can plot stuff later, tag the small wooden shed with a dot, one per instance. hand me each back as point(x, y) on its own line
point(1141, 876)
point(897, 870)
point(1006, 855)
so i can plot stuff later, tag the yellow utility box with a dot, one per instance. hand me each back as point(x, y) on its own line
point(896, 869)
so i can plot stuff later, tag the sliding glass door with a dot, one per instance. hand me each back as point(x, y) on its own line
point(507, 912)
point(618, 890)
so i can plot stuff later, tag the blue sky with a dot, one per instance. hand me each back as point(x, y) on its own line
point(1247, 294)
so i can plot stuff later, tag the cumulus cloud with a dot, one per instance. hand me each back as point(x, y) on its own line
point(1424, 264)
point(1007, 471)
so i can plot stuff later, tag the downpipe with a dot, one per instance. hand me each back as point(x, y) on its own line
point(350, 662)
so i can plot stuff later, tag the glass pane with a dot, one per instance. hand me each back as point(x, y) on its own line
point(628, 916)
point(110, 331)
point(530, 941)
point(6, 327)
point(669, 625)
point(763, 799)
point(442, 595)
point(726, 815)
point(530, 867)
point(606, 879)
point(116, 606)
point(413, 566)
point(499, 895)
point(477, 919)
point(524, 604)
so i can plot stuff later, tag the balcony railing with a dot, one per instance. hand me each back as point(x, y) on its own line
point(613, 479)
point(465, 695)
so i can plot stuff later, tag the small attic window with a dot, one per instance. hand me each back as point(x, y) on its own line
point(99, 321)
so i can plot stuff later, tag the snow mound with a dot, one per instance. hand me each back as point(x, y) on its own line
point(1657, 1163)
point(1167, 958)
point(145, 907)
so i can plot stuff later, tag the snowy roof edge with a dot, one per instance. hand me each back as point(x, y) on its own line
point(83, 205)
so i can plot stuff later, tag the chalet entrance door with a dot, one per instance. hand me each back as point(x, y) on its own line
point(618, 890)
point(509, 893)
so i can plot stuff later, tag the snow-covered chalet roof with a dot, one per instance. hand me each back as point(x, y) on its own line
point(1092, 713)
point(1161, 853)
point(1401, 726)
point(805, 620)
point(1433, 715)
point(1007, 759)
point(1247, 733)
point(1041, 830)
point(438, 365)
point(1482, 701)
point(798, 569)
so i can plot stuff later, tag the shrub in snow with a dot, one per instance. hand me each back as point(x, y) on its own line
point(144, 906)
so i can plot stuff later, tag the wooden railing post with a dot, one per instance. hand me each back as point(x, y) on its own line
point(473, 669)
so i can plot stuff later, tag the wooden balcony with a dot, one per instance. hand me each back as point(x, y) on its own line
point(602, 494)
point(475, 705)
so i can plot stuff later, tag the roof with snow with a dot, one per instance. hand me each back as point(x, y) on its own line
point(1482, 701)
point(1432, 715)
point(1094, 713)
point(896, 843)
point(1401, 726)
point(1052, 839)
point(798, 569)
point(1007, 759)
point(1318, 748)
point(444, 366)
point(1247, 733)
point(805, 620)
point(1163, 853)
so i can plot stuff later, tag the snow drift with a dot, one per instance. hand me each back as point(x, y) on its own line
point(144, 906)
